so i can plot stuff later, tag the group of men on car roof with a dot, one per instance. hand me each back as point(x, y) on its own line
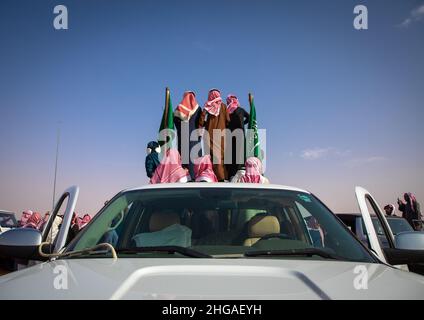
point(215, 115)
point(218, 115)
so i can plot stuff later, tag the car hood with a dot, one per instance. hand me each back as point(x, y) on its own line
point(175, 278)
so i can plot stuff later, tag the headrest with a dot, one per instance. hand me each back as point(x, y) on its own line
point(161, 220)
point(260, 226)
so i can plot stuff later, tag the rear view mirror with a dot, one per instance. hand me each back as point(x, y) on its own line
point(20, 243)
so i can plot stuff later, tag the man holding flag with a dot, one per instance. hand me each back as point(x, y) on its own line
point(154, 151)
point(253, 171)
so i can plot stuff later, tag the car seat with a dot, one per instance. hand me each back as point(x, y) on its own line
point(161, 220)
point(260, 226)
point(165, 229)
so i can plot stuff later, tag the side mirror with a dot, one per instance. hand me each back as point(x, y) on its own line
point(409, 250)
point(410, 240)
point(403, 256)
point(20, 243)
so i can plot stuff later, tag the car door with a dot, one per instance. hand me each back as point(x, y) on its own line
point(57, 234)
point(368, 207)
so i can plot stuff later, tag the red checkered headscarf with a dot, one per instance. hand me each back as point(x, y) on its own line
point(203, 169)
point(254, 171)
point(232, 103)
point(33, 221)
point(213, 105)
point(187, 106)
point(169, 170)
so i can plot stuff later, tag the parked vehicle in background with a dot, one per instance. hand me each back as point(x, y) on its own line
point(399, 248)
point(202, 241)
point(7, 220)
point(356, 224)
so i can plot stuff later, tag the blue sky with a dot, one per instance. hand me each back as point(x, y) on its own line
point(341, 107)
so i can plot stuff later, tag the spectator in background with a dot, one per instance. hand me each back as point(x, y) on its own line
point(84, 221)
point(410, 209)
point(54, 230)
point(33, 221)
point(24, 218)
point(74, 228)
point(389, 209)
point(44, 221)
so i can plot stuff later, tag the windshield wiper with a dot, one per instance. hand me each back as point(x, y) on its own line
point(89, 251)
point(167, 249)
point(309, 252)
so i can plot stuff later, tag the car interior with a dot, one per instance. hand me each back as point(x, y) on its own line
point(217, 222)
point(209, 226)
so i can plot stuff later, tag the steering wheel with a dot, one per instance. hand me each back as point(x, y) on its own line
point(276, 235)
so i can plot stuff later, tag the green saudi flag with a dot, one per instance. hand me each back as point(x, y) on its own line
point(167, 121)
point(253, 145)
point(168, 114)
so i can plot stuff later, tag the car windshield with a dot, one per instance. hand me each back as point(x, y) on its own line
point(220, 223)
point(7, 220)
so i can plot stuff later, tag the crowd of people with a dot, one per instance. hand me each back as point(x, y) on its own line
point(409, 208)
point(34, 220)
point(214, 115)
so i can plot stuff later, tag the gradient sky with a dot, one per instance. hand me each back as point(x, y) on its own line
point(341, 107)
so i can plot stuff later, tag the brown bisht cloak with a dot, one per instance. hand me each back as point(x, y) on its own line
point(216, 149)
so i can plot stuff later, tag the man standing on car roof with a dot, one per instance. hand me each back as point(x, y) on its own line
point(215, 117)
point(186, 119)
point(238, 118)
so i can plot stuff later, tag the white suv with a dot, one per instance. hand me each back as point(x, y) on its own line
point(203, 241)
